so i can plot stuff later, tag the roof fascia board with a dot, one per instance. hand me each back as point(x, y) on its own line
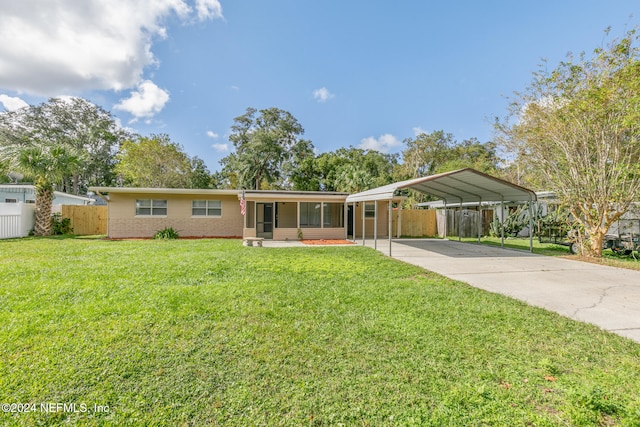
point(293, 197)
point(186, 191)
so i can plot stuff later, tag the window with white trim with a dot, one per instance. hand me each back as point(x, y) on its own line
point(151, 207)
point(369, 210)
point(206, 208)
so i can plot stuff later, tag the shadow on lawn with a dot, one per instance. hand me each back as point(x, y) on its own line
point(455, 249)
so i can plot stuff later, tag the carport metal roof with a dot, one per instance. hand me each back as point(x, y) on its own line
point(459, 186)
point(453, 188)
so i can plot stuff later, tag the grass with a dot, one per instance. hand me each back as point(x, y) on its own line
point(208, 332)
point(608, 256)
point(549, 249)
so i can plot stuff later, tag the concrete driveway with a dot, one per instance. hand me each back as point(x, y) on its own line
point(605, 296)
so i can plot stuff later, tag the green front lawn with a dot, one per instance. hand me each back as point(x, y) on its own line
point(608, 256)
point(208, 332)
point(521, 243)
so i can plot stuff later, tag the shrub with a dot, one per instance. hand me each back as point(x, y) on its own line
point(167, 234)
point(60, 225)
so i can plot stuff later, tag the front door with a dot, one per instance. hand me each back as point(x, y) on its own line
point(264, 224)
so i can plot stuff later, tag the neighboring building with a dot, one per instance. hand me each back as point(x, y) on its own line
point(22, 193)
point(277, 215)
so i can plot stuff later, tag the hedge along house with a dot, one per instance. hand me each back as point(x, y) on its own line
point(277, 215)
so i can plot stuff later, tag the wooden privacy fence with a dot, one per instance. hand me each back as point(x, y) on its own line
point(464, 221)
point(415, 223)
point(86, 220)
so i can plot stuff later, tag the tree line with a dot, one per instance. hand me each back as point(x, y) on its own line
point(575, 131)
point(75, 144)
point(71, 144)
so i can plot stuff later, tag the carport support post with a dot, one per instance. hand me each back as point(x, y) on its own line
point(446, 219)
point(479, 219)
point(390, 223)
point(399, 223)
point(531, 226)
point(460, 223)
point(353, 228)
point(502, 221)
point(364, 205)
point(375, 224)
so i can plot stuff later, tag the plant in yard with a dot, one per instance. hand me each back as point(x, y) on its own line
point(513, 224)
point(300, 236)
point(166, 234)
point(60, 225)
point(47, 165)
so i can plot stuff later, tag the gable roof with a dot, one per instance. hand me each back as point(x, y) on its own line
point(459, 186)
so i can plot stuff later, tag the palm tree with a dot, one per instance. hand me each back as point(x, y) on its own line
point(354, 180)
point(46, 165)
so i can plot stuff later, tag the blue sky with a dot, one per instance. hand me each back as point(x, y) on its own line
point(354, 73)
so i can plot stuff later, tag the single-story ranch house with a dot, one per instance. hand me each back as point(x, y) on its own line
point(290, 215)
point(277, 215)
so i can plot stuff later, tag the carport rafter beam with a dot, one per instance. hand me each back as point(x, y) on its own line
point(434, 190)
point(452, 195)
point(476, 186)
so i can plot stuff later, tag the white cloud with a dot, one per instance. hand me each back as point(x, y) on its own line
point(383, 144)
point(322, 94)
point(12, 103)
point(69, 46)
point(146, 101)
point(417, 131)
point(212, 134)
point(208, 9)
point(221, 148)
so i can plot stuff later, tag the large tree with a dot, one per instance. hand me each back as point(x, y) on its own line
point(346, 169)
point(268, 148)
point(425, 153)
point(158, 162)
point(578, 127)
point(87, 131)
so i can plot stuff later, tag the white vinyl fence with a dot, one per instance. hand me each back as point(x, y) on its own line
point(16, 219)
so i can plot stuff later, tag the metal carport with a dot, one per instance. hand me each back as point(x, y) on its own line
point(454, 188)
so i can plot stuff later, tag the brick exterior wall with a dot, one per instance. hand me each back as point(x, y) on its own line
point(123, 222)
